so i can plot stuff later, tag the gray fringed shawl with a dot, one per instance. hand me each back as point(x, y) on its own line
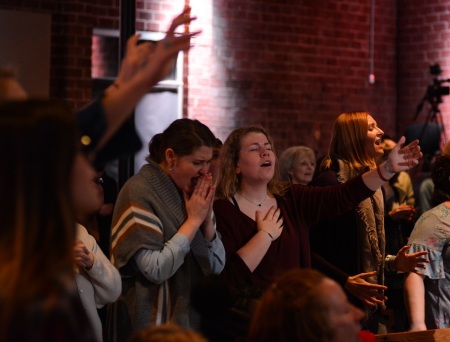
point(148, 212)
point(370, 220)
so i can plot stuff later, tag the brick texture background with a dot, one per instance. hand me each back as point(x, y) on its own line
point(423, 40)
point(291, 66)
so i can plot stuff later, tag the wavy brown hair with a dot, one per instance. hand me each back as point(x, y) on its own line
point(292, 310)
point(348, 142)
point(37, 150)
point(228, 181)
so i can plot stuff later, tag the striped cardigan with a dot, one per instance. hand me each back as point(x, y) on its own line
point(148, 212)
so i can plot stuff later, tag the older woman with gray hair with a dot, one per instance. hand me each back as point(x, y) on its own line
point(297, 165)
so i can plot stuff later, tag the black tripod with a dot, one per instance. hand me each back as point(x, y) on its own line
point(434, 116)
point(433, 97)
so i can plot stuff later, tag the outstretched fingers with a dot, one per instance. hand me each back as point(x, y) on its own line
point(369, 293)
point(410, 262)
point(180, 41)
point(183, 18)
point(405, 157)
point(411, 154)
point(412, 146)
point(420, 262)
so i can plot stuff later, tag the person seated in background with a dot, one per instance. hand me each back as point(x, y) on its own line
point(297, 165)
point(304, 305)
point(427, 293)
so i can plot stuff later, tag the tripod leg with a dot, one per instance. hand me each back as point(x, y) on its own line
point(442, 134)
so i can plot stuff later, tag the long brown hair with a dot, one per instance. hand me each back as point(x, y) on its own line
point(348, 142)
point(292, 310)
point(228, 181)
point(37, 150)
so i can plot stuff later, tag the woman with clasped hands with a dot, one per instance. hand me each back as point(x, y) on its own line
point(163, 238)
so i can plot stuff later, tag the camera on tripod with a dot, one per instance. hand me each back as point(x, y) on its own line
point(436, 90)
point(432, 129)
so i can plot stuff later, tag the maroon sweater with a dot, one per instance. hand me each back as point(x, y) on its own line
point(300, 207)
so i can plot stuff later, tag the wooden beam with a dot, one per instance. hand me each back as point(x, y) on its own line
point(439, 335)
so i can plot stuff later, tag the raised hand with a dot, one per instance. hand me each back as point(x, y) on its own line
point(410, 262)
point(166, 50)
point(402, 157)
point(135, 58)
point(272, 223)
point(143, 66)
point(370, 294)
point(150, 63)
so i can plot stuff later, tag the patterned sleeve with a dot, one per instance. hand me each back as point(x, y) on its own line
point(430, 234)
point(158, 266)
point(134, 227)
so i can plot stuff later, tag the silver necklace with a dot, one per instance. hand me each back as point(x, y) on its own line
point(257, 204)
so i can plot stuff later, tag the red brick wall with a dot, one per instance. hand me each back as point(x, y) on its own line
point(291, 66)
point(155, 15)
point(423, 39)
point(72, 24)
point(72, 39)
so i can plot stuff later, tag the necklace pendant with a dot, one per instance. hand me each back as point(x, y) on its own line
point(257, 204)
